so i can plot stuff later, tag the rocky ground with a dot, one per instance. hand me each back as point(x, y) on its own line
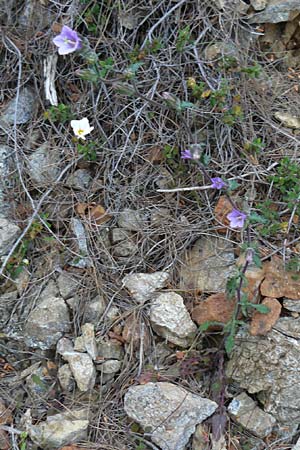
point(131, 314)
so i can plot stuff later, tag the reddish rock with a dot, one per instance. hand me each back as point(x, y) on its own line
point(216, 308)
point(261, 323)
point(279, 282)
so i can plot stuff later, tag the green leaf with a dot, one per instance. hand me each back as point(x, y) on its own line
point(205, 159)
point(231, 286)
point(260, 308)
point(257, 260)
point(256, 218)
point(229, 344)
point(36, 379)
point(232, 185)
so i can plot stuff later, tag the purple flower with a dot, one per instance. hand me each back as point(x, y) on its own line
point(237, 218)
point(67, 41)
point(217, 183)
point(186, 154)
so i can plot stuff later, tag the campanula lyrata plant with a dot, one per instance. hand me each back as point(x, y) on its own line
point(67, 41)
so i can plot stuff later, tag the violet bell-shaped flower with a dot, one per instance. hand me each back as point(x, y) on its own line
point(67, 41)
point(237, 218)
point(217, 183)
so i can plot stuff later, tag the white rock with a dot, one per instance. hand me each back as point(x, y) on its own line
point(258, 5)
point(250, 416)
point(171, 320)
point(292, 305)
point(170, 412)
point(287, 119)
point(143, 285)
point(94, 309)
point(60, 430)
point(47, 323)
point(9, 233)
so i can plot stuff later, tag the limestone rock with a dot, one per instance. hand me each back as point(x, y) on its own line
point(250, 416)
point(123, 244)
point(215, 308)
point(81, 365)
point(87, 342)
point(269, 365)
point(111, 355)
point(171, 320)
point(143, 285)
point(170, 412)
point(65, 377)
point(261, 323)
point(60, 430)
point(208, 265)
point(26, 106)
point(9, 233)
point(47, 323)
point(289, 326)
point(276, 11)
point(132, 220)
point(292, 305)
point(43, 164)
point(287, 119)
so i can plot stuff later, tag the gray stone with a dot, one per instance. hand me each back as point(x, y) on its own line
point(287, 119)
point(259, 5)
point(47, 323)
point(26, 106)
point(8, 301)
point(60, 430)
point(132, 220)
point(5, 159)
point(208, 265)
point(250, 416)
point(94, 309)
point(124, 245)
point(289, 326)
point(65, 378)
point(67, 284)
point(37, 383)
point(36, 16)
point(9, 233)
point(171, 320)
point(81, 365)
point(142, 286)
point(276, 11)
point(220, 49)
point(168, 411)
point(110, 367)
point(87, 342)
point(81, 179)
point(50, 290)
point(110, 349)
point(292, 305)
point(43, 164)
point(269, 366)
point(81, 241)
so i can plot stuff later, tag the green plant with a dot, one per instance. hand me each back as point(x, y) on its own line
point(183, 38)
point(88, 150)
point(293, 265)
point(18, 260)
point(256, 146)
point(60, 113)
point(272, 219)
point(23, 440)
point(218, 97)
point(286, 181)
point(234, 290)
point(253, 71)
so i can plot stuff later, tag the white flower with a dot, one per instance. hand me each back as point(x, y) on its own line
point(81, 127)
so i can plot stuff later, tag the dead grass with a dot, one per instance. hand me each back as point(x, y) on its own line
point(130, 129)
